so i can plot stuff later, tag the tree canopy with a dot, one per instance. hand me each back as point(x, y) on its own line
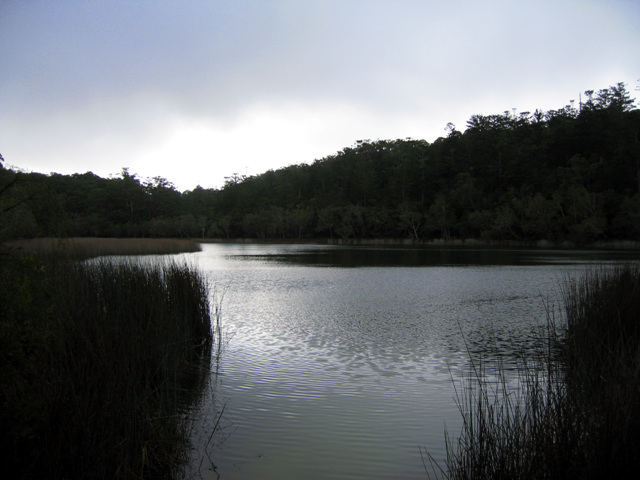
point(571, 174)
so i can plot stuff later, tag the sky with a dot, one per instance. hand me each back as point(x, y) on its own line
point(198, 90)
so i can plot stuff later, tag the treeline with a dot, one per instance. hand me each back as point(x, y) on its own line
point(571, 174)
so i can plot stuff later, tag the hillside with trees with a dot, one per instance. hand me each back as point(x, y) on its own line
point(566, 175)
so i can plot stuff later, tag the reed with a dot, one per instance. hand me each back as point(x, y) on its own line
point(101, 362)
point(601, 355)
point(90, 247)
point(575, 412)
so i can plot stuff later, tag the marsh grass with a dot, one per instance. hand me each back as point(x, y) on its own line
point(89, 247)
point(575, 411)
point(101, 361)
point(602, 361)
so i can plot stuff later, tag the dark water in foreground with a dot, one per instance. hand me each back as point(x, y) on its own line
point(338, 361)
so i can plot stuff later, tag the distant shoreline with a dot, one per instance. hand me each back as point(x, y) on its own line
point(469, 242)
point(141, 246)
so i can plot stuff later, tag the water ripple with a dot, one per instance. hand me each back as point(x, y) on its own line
point(344, 373)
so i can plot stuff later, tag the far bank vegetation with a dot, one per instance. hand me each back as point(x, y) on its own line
point(88, 247)
point(565, 175)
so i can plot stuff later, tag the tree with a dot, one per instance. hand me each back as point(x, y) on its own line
point(16, 216)
point(615, 98)
point(538, 217)
point(627, 220)
point(441, 218)
point(411, 219)
point(328, 219)
point(299, 221)
point(128, 196)
point(565, 174)
point(164, 199)
point(255, 225)
point(234, 179)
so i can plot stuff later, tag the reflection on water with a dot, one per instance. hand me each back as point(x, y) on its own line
point(367, 256)
point(339, 361)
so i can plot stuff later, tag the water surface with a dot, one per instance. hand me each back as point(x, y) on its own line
point(340, 362)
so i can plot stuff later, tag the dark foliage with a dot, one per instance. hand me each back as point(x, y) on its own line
point(99, 362)
point(576, 413)
point(571, 174)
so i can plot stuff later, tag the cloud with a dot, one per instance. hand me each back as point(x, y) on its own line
point(264, 136)
point(253, 85)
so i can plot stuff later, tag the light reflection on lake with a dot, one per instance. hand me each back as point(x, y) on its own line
point(338, 361)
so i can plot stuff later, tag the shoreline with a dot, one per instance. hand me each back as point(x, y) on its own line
point(394, 242)
point(119, 245)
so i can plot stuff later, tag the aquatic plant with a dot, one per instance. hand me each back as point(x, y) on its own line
point(575, 411)
point(89, 247)
point(101, 361)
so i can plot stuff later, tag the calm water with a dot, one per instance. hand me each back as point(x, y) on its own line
point(338, 361)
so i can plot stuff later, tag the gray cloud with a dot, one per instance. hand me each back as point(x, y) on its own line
point(86, 85)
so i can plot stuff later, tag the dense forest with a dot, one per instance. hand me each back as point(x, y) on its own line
point(566, 175)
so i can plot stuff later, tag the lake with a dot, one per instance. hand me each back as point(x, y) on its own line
point(342, 362)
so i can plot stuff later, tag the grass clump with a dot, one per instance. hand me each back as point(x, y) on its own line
point(601, 355)
point(575, 410)
point(100, 362)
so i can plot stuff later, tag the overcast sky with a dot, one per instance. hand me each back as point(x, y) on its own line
point(197, 90)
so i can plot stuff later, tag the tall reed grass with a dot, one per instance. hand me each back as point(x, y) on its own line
point(80, 248)
point(575, 412)
point(100, 363)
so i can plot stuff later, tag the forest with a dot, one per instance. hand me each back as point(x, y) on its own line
point(570, 175)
